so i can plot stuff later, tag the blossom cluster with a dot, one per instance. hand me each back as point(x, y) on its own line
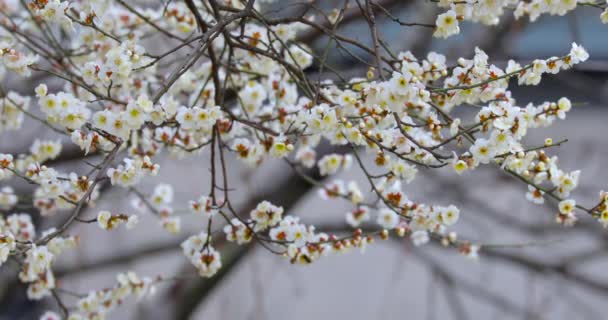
point(17, 231)
point(108, 221)
point(202, 255)
point(243, 92)
point(132, 171)
point(97, 304)
point(12, 107)
point(53, 11)
point(489, 12)
point(16, 61)
point(63, 108)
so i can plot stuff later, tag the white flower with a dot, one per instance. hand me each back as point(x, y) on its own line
point(238, 232)
point(162, 195)
point(330, 164)
point(266, 215)
point(387, 218)
point(567, 206)
point(202, 255)
point(578, 54)
point(458, 164)
point(145, 103)
point(84, 140)
point(203, 205)
point(89, 72)
point(403, 170)
point(186, 117)
point(454, 127)
point(449, 215)
point(104, 220)
point(356, 217)
point(603, 218)
point(12, 110)
point(420, 237)
point(21, 227)
point(135, 116)
point(290, 230)
point(171, 224)
point(132, 171)
point(45, 150)
point(332, 190)
point(7, 198)
point(299, 56)
point(306, 155)
point(38, 260)
point(252, 96)
point(563, 105)
point(483, 151)
point(41, 90)
point(446, 25)
point(17, 61)
point(7, 244)
point(535, 195)
point(354, 192)
point(280, 148)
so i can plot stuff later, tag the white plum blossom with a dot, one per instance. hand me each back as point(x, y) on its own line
point(13, 107)
point(266, 215)
point(132, 171)
point(446, 25)
point(7, 244)
point(108, 221)
point(420, 237)
point(535, 195)
point(202, 255)
point(449, 215)
point(357, 216)
point(238, 232)
point(8, 199)
point(578, 54)
point(330, 164)
point(204, 205)
point(387, 218)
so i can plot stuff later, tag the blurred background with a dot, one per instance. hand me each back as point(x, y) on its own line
point(562, 276)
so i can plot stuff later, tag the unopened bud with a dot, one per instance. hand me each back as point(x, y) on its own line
point(370, 73)
point(400, 232)
point(384, 234)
